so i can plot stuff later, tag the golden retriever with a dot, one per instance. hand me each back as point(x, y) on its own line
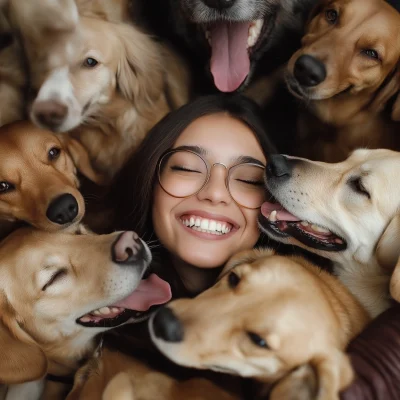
point(13, 74)
point(98, 77)
point(347, 212)
point(346, 72)
point(275, 314)
point(38, 178)
point(59, 290)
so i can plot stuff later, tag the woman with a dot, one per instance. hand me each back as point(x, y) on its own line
point(201, 168)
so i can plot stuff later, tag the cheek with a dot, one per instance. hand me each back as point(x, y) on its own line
point(251, 232)
point(161, 214)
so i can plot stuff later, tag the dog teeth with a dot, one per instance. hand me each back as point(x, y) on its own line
point(319, 229)
point(208, 36)
point(105, 310)
point(272, 216)
point(304, 223)
point(254, 32)
point(85, 319)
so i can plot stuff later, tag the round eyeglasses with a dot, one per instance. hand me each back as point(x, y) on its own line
point(184, 173)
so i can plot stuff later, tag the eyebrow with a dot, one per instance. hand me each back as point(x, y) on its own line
point(238, 160)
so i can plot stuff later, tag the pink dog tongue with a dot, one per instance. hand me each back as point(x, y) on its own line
point(282, 214)
point(230, 63)
point(150, 291)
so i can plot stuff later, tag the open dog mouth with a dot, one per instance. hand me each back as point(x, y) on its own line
point(279, 222)
point(232, 46)
point(138, 305)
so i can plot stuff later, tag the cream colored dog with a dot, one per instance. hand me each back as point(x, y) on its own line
point(268, 317)
point(347, 212)
point(57, 292)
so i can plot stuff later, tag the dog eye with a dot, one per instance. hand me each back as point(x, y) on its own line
point(257, 340)
point(57, 275)
point(371, 53)
point(6, 187)
point(233, 280)
point(54, 152)
point(90, 62)
point(331, 15)
point(357, 185)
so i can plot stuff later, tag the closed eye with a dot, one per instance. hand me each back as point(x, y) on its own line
point(357, 186)
point(250, 182)
point(177, 168)
point(55, 277)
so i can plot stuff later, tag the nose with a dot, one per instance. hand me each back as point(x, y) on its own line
point(63, 209)
point(309, 71)
point(215, 190)
point(219, 4)
point(50, 114)
point(166, 326)
point(128, 248)
point(278, 167)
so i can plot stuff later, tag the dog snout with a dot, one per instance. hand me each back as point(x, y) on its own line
point(166, 326)
point(128, 248)
point(309, 71)
point(51, 114)
point(63, 209)
point(279, 167)
point(219, 4)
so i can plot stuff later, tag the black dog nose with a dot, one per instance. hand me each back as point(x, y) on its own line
point(166, 326)
point(278, 167)
point(309, 71)
point(219, 4)
point(128, 248)
point(63, 209)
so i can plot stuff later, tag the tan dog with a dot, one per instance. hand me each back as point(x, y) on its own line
point(99, 78)
point(346, 72)
point(38, 179)
point(58, 291)
point(274, 314)
point(347, 212)
point(112, 375)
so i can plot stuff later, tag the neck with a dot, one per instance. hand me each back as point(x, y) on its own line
point(195, 279)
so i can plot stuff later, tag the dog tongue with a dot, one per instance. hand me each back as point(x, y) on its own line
point(281, 215)
point(230, 63)
point(150, 291)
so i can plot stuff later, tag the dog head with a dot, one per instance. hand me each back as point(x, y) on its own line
point(271, 317)
point(349, 59)
point(109, 61)
point(59, 290)
point(234, 34)
point(346, 212)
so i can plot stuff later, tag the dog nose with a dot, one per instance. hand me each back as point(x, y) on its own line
point(219, 4)
point(128, 248)
point(166, 326)
point(278, 166)
point(50, 114)
point(63, 209)
point(309, 71)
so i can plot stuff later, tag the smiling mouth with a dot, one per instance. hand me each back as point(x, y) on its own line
point(206, 225)
point(279, 223)
point(151, 291)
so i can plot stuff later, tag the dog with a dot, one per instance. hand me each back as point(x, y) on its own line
point(346, 73)
point(58, 291)
point(228, 42)
point(275, 315)
point(346, 212)
point(13, 74)
point(39, 179)
point(98, 77)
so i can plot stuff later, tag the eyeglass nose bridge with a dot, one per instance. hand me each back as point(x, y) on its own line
point(209, 176)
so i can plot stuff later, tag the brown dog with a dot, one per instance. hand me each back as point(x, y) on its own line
point(38, 178)
point(58, 291)
point(346, 72)
point(274, 314)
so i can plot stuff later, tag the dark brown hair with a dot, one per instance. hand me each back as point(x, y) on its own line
point(133, 188)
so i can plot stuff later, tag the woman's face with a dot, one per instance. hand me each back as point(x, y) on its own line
point(221, 139)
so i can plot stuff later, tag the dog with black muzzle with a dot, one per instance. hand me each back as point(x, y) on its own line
point(347, 212)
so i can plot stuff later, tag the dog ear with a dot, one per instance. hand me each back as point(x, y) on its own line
point(80, 158)
point(388, 247)
point(140, 74)
point(20, 360)
point(395, 283)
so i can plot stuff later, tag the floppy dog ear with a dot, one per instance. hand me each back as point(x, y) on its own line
point(20, 361)
point(388, 247)
point(322, 379)
point(81, 160)
point(140, 70)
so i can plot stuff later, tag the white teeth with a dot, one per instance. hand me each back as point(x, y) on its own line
point(254, 32)
point(212, 226)
point(206, 225)
point(96, 312)
point(304, 223)
point(85, 319)
point(197, 223)
point(272, 216)
point(191, 221)
point(105, 310)
point(319, 229)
